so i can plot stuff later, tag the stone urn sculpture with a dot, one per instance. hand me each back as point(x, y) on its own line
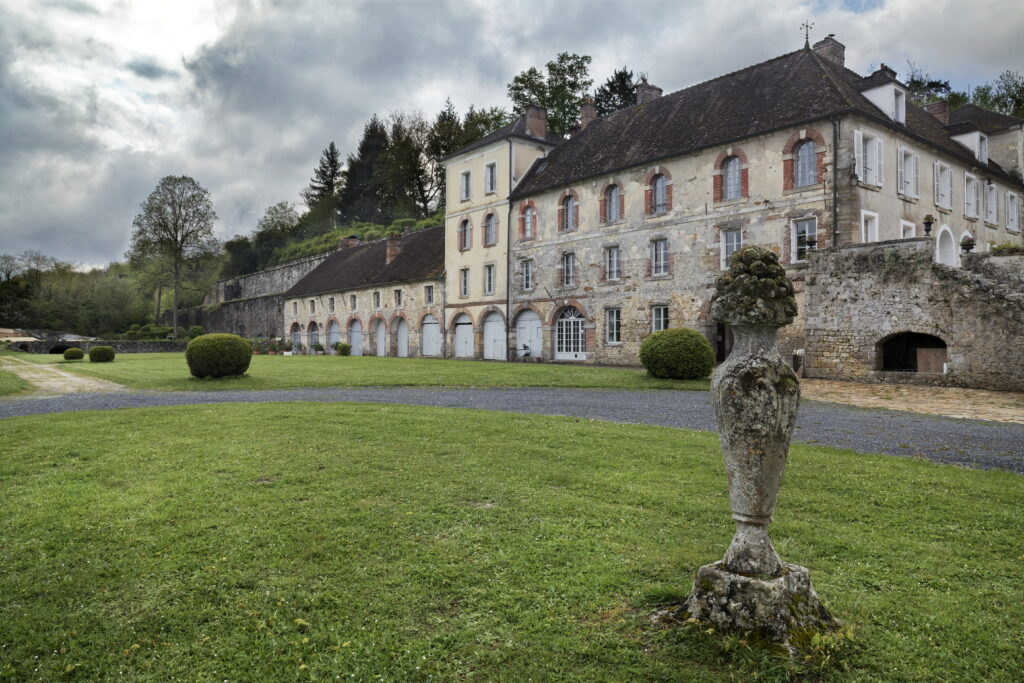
point(755, 396)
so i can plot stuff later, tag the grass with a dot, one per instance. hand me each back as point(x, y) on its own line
point(169, 372)
point(279, 542)
point(11, 384)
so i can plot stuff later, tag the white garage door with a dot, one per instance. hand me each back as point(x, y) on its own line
point(333, 335)
point(431, 336)
point(355, 337)
point(463, 337)
point(402, 338)
point(380, 338)
point(494, 337)
point(529, 338)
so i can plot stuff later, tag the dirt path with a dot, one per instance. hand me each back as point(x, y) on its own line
point(974, 404)
point(48, 380)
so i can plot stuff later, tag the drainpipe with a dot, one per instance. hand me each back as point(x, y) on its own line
point(508, 257)
point(835, 182)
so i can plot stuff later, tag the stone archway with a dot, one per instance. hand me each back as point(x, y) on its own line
point(946, 248)
point(911, 352)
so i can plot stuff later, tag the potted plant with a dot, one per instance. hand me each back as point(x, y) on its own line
point(967, 243)
point(319, 349)
point(272, 348)
point(928, 220)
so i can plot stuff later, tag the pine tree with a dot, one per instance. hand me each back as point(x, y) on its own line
point(363, 195)
point(618, 92)
point(326, 177)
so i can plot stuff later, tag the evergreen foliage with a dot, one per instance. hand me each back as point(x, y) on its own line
point(618, 92)
point(326, 178)
point(101, 354)
point(74, 353)
point(363, 197)
point(218, 355)
point(677, 353)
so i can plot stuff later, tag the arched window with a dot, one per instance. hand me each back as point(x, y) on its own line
point(314, 337)
point(465, 236)
point(296, 336)
point(569, 218)
point(659, 188)
point(529, 226)
point(570, 339)
point(805, 170)
point(490, 230)
point(731, 178)
point(612, 206)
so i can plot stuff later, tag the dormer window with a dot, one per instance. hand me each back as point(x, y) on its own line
point(899, 106)
point(891, 100)
point(982, 148)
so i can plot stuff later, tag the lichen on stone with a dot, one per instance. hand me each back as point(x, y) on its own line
point(754, 291)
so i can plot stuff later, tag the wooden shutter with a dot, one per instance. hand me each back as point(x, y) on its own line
point(938, 187)
point(880, 175)
point(916, 178)
point(858, 154)
point(900, 172)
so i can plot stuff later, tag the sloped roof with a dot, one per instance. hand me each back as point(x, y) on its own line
point(988, 121)
point(421, 258)
point(516, 129)
point(790, 90)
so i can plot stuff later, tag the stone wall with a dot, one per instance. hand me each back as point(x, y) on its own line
point(1006, 269)
point(859, 296)
point(274, 280)
point(125, 346)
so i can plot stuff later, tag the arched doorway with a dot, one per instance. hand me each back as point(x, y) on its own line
point(912, 352)
point(380, 338)
point(401, 338)
point(463, 331)
point(314, 338)
point(529, 335)
point(570, 338)
point(355, 337)
point(945, 248)
point(494, 337)
point(333, 334)
point(430, 336)
point(59, 348)
point(296, 334)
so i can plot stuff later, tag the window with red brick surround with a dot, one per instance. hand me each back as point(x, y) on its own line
point(790, 151)
point(613, 203)
point(731, 161)
point(527, 221)
point(568, 212)
point(658, 192)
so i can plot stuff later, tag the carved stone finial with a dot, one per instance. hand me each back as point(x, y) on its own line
point(754, 292)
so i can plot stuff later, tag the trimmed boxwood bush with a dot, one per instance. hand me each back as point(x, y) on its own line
point(218, 355)
point(677, 353)
point(343, 349)
point(195, 331)
point(101, 354)
point(74, 354)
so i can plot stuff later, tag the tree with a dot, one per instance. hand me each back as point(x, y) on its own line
point(922, 88)
point(480, 122)
point(560, 92)
point(618, 92)
point(10, 265)
point(326, 179)
point(176, 223)
point(363, 194)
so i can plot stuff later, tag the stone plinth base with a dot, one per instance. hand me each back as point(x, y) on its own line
point(773, 607)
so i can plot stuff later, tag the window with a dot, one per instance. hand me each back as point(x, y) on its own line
point(899, 106)
point(868, 155)
point(659, 257)
point(612, 269)
point(330, 304)
point(805, 230)
point(464, 282)
point(568, 214)
point(490, 230)
point(428, 294)
point(971, 196)
point(569, 269)
point(906, 173)
point(992, 204)
point(731, 178)
point(907, 229)
point(295, 308)
point(613, 326)
point(465, 236)
point(982, 148)
point(611, 204)
point(352, 302)
point(312, 306)
point(659, 318)
point(529, 222)
point(943, 185)
point(732, 241)
point(464, 186)
point(659, 189)
point(490, 178)
point(526, 266)
point(398, 298)
point(489, 279)
point(868, 226)
point(805, 164)
point(1012, 212)
point(376, 300)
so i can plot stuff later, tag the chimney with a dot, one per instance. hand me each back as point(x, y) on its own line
point(939, 110)
point(346, 242)
point(536, 121)
point(831, 49)
point(588, 112)
point(645, 92)
point(392, 247)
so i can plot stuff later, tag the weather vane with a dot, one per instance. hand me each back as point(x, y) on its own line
point(807, 26)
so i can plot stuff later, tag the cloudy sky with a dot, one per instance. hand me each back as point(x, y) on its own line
point(101, 98)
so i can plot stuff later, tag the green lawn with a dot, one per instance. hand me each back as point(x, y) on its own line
point(169, 372)
point(276, 542)
point(11, 384)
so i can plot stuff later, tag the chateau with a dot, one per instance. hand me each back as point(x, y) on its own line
point(576, 249)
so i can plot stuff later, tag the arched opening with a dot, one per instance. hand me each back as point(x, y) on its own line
point(570, 338)
point(462, 331)
point(945, 248)
point(59, 348)
point(355, 337)
point(314, 338)
point(912, 352)
point(333, 334)
point(430, 336)
point(401, 330)
point(529, 335)
point(494, 337)
point(380, 340)
point(296, 334)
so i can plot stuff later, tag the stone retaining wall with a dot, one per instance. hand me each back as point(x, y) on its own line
point(127, 346)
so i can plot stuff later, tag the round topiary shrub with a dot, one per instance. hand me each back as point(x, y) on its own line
point(74, 354)
point(218, 355)
point(677, 353)
point(343, 349)
point(101, 354)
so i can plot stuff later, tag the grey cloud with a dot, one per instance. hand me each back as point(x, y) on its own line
point(148, 68)
point(76, 6)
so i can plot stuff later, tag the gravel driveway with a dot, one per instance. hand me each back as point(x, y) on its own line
point(986, 445)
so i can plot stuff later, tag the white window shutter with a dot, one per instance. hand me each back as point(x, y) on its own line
point(900, 172)
point(938, 188)
point(858, 154)
point(878, 162)
point(977, 197)
point(917, 177)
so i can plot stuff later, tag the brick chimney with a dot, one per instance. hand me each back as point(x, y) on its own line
point(392, 247)
point(831, 49)
point(346, 242)
point(939, 110)
point(588, 113)
point(645, 92)
point(536, 121)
